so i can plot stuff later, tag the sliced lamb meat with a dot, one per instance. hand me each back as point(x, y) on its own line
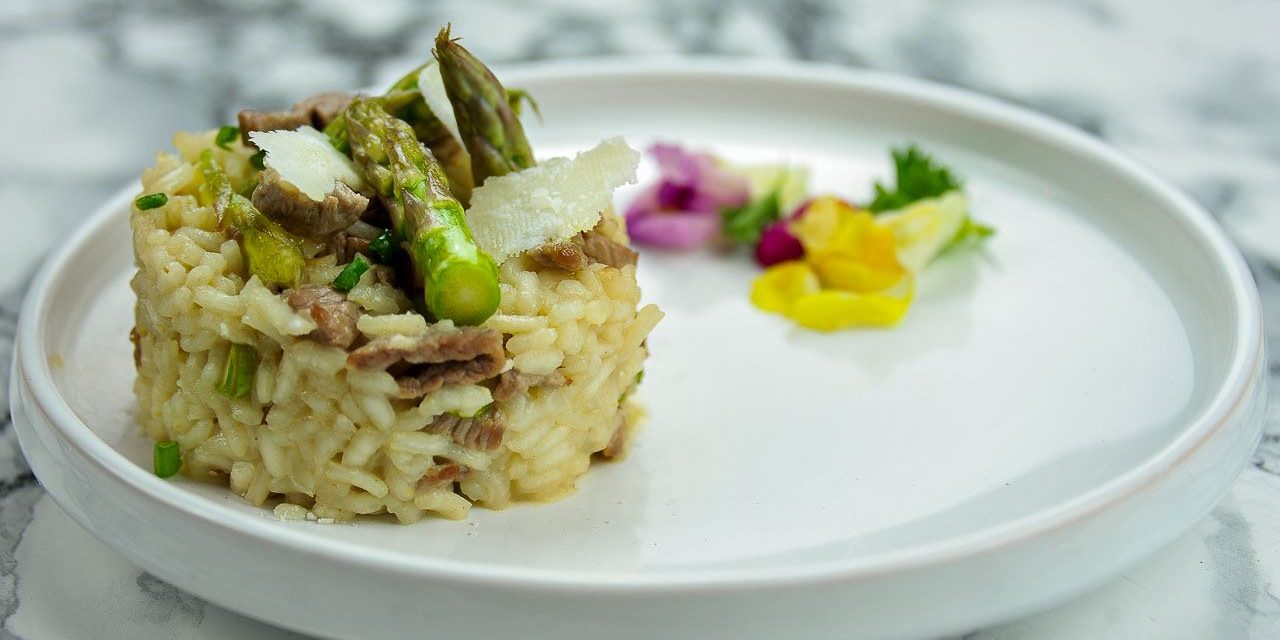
point(136, 339)
point(337, 245)
point(334, 315)
point(512, 383)
point(316, 111)
point(482, 432)
point(355, 245)
point(565, 255)
point(300, 214)
point(603, 249)
point(251, 120)
point(618, 443)
point(422, 364)
point(583, 249)
point(323, 108)
point(441, 474)
point(345, 247)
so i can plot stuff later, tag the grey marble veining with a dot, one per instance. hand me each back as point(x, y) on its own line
point(94, 87)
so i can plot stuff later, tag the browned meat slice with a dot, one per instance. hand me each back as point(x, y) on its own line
point(565, 255)
point(344, 247)
point(583, 249)
point(300, 214)
point(483, 432)
point(355, 245)
point(251, 120)
point(322, 108)
point(441, 474)
point(317, 111)
point(618, 443)
point(512, 383)
point(422, 364)
point(136, 339)
point(334, 315)
point(603, 249)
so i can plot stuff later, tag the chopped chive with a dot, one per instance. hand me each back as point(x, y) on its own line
point(383, 246)
point(226, 135)
point(350, 275)
point(151, 201)
point(237, 374)
point(258, 160)
point(640, 376)
point(166, 459)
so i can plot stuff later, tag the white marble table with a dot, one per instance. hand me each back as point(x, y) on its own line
point(93, 87)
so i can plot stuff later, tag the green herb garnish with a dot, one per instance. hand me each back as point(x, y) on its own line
point(970, 231)
point(151, 201)
point(258, 160)
point(350, 275)
point(166, 459)
point(383, 246)
point(745, 223)
point(917, 177)
point(226, 135)
point(238, 372)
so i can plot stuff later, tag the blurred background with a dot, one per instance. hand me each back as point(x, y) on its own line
point(93, 88)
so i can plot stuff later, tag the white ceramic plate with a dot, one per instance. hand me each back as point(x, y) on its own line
point(1050, 411)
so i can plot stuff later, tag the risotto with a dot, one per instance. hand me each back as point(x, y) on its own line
point(383, 304)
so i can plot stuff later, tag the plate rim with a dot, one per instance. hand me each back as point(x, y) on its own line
point(1232, 394)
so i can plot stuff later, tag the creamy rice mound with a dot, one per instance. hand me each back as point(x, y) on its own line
point(320, 437)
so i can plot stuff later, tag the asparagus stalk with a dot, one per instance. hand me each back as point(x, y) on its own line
point(271, 252)
point(404, 101)
point(459, 281)
point(489, 126)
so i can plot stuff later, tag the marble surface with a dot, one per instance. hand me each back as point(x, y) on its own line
point(94, 87)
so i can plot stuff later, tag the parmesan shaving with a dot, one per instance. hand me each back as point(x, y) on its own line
point(305, 159)
point(549, 202)
point(431, 85)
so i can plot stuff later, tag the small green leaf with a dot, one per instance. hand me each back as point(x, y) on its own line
point(745, 223)
point(917, 176)
point(225, 136)
point(516, 99)
point(970, 232)
point(239, 371)
point(350, 275)
point(151, 201)
point(383, 246)
point(166, 458)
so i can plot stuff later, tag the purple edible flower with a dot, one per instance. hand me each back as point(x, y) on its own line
point(778, 245)
point(682, 211)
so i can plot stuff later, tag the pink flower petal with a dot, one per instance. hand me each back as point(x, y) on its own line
point(679, 166)
point(682, 210)
point(714, 187)
point(644, 204)
point(679, 230)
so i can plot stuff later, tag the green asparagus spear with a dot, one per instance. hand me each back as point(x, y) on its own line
point(489, 126)
point(459, 281)
point(271, 252)
point(404, 101)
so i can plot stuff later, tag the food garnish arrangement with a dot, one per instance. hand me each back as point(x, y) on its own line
point(384, 304)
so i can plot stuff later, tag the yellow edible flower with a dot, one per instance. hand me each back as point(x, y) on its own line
point(831, 309)
point(780, 286)
point(847, 248)
point(850, 275)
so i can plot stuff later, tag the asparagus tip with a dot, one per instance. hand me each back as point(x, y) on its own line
point(445, 38)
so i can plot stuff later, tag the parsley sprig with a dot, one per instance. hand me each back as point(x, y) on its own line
point(917, 177)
